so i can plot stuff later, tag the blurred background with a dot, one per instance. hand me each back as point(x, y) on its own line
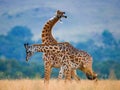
point(92, 25)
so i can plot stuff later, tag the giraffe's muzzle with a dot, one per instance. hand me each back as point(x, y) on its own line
point(91, 77)
point(65, 16)
point(27, 58)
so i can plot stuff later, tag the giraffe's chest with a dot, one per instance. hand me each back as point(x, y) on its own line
point(53, 60)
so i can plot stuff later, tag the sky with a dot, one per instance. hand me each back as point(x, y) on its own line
point(86, 18)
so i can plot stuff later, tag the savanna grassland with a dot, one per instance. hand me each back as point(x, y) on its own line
point(27, 84)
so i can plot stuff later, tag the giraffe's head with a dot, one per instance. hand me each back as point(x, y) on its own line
point(60, 14)
point(29, 51)
point(89, 73)
point(91, 76)
point(87, 69)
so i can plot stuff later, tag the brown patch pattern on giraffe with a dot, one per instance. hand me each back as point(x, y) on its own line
point(81, 60)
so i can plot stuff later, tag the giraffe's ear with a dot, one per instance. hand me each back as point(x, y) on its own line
point(96, 74)
point(25, 45)
point(84, 66)
point(58, 11)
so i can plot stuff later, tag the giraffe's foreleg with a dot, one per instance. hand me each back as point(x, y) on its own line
point(67, 73)
point(74, 75)
point(61, 72)
point(47, 72)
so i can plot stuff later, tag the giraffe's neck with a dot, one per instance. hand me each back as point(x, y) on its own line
point(64, 47)
point(46, 36)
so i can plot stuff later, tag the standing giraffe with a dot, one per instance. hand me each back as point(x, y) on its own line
point(51, 60)
point(70, 58)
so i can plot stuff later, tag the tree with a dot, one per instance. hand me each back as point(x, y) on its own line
point(12, 45)
point(108, 38)
point(20, 33)
point(112, 75)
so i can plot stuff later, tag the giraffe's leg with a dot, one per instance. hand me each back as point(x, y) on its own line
point(67, 72)
point(74, 75)
point(60, 76)
point(47, 67)
point(47, 72)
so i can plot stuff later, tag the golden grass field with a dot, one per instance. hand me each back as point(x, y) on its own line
point(27, 84)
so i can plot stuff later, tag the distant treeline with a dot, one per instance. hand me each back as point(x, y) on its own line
point(15, 69)
point(104, 49)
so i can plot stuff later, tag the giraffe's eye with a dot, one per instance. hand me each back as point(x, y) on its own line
point(27, 51)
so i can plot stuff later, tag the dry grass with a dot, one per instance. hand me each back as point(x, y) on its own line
point(27, 84)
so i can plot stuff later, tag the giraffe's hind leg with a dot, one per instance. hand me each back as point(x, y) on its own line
point(74, 75)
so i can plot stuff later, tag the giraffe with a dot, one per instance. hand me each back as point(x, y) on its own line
point(51, 60)
point(70, 58)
